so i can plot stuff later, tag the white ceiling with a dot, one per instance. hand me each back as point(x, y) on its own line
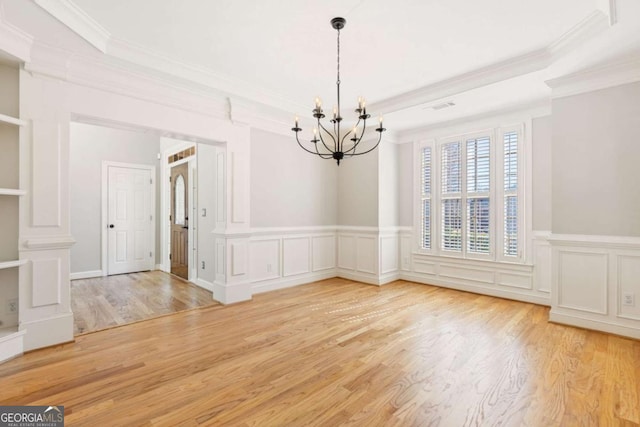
point(403, 56)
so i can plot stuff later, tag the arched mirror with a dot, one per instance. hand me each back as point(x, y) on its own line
point(180, 201)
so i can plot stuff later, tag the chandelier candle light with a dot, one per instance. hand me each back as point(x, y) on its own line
point(335, 148)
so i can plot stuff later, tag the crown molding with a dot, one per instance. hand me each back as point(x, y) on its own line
point(13, 40)
point(489, 119)
point(595, 23)
point(520, 65)
point(115, 76)
point(614, 73)
point(155, 61)
point(78, 21)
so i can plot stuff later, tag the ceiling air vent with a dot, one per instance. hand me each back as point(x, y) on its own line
point(443, 105)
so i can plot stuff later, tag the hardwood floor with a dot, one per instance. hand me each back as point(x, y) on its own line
point(339, 353)
point(105, 302)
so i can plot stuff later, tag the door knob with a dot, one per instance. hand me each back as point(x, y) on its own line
point(111, 225)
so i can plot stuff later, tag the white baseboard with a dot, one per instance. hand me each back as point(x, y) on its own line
point(598, 325)
point(231, 293)
point(48, 331)
point(86, 275)
point(476, 289)
point(282, 283)
point(203, 284)
point(11, 345)
point(370, 279)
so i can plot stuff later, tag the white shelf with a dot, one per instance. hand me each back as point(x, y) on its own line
point(12, 192)
point(12, 120)
point(11, 264)
point(8, 332)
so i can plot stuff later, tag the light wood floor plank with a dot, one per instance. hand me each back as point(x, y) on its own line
point(335, 353)
point(104, 302)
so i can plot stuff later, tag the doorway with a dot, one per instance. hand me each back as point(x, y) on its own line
point(179, 218)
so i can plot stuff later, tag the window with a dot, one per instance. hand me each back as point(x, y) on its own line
point(510, 141)
point(180, 197)
point(471, 206)
point(451, 197)
point(426, 197)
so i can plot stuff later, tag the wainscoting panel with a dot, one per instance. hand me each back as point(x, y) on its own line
point(347, 252)
point(389, 254)
point(542, 269)
point(366, 254)
point(501, 279)
point(628, 283)
point(458, 272)
point(47, 281)
point(238, 258)
point(290, 256)
point(406, 240)
point(324, 252)
point(592, 276)
point(582, 279)
point(264, 259)
point(296, 256)
point(522, 281)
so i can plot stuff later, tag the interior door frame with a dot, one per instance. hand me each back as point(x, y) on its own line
point(105, 210)
point(165, 208)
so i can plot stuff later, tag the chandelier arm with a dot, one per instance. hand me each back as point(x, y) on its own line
point(359, 140)
point(369, 150)
point(302, 146)
point(335, 144)
point(355, 136)
point(322, 155)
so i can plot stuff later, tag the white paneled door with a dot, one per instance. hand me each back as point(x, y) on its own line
point(129, 220)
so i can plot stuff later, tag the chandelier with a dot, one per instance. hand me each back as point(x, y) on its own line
point(331, 144)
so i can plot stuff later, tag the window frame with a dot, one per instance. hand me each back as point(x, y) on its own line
point(496, 194)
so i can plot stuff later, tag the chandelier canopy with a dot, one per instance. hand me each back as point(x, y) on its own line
point(331, 144)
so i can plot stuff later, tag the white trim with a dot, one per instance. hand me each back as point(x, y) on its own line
point(12, 264)
point(11, 343)
point(469, 124)
point(12, 192)
point(78, 21)
point(12, 120)
point(624, 70)
point(603, 324)
point(48, 242)
point(316, 229)
point(595, 23)
point(13, 40)
point(47, 331)
point(598, 241)
point(203, 284)
point(104, 220)
point(86, 275)
point(281, 283)
point(478, 289)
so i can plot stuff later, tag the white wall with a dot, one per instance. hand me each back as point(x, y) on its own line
point(358, 190)
point(89, 146)
point(206, 212)
point(541, 174)
point(405, 184)
point(388, 182)
point(596, 162)
point(289, 187)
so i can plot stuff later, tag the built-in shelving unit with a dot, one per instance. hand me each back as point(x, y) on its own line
point(11, 192)
point(12, 120)
point(11, 338)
